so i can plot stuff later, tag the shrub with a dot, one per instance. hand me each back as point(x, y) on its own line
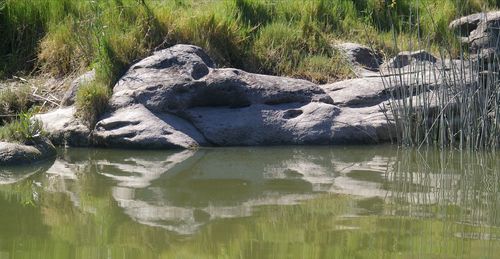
point(25, 129)
point(222, 37)
point(92, 101)
point(13, 101)
point(279, 47)
point(299, 50)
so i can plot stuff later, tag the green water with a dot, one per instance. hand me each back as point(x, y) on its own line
point(311, 202)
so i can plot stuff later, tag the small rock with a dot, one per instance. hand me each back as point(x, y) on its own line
point(20, 154)
point(405, 58)
point(362, 55)
point(481, 32)
point(70, 95)
point(64, 129)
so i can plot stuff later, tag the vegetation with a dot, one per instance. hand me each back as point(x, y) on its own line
point(91, 102)
point(448, 105)
point(291, 38)
point(436, 205)
point(25, 129)
point(13, 102)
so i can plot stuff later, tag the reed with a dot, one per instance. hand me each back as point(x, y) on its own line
point(450, 103)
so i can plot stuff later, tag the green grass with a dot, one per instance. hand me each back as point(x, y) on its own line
point(13, 101)
point(91, 102)
point(24, 129)
point(291, 38)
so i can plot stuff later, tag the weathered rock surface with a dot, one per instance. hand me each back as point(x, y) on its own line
point(64, 129)
point(405, 58)
point(137, 127)
point(20, 154)
point(226, 107)
point(480, 32)
point(177, 98)
point(365, 61)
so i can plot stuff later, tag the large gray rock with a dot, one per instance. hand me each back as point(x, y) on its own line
point(20, 154)
point(226, 107)
point(177, 98)
point(480, 32)
point(137, 127)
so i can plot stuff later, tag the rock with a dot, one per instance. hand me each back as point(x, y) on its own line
point(20, 154)
point(405, 58)
point(480, 32)
point(70, 95)
point(362, 56)
point(64, 129)
point(182, 77)
point(177, 98)
point(367, 91)
point(261, 124)
point(138, 127)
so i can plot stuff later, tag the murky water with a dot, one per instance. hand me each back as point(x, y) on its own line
point(289, 202)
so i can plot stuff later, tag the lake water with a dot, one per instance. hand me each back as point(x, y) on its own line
point(279, 202)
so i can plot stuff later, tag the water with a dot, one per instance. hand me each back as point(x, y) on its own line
point(280, 202)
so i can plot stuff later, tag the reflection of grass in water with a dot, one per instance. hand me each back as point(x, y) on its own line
point(438, 207)
point(322, 229)
point(24, 192)
point(468, 182)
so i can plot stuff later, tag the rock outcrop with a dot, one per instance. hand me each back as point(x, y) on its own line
point(480, 32)
point(20, 154)
point(177, 98)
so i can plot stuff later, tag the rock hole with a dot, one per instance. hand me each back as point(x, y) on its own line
point(465, 29)
point(290, 114)
point(199, 71)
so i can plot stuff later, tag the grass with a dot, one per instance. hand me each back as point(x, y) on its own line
point(277, 37)
point(289, 38)
point(454, 105)
point(91, 102)
point(25, 129)
point(13, 101)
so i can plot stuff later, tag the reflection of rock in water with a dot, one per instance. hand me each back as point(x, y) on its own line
point(181, 191)
point(139, 172)
point(225, 183)
point(184, 191)
point(10, 175)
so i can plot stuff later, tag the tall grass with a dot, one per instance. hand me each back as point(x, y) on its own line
point(63, 36)
point(25, 129)
point(13, 102)
point(447, 104)
point(91, 102)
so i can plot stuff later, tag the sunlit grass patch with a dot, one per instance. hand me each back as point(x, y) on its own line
point(24, 129)
point(13, 101)
point(92, 101)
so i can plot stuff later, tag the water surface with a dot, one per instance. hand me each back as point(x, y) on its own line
point(279, 202)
